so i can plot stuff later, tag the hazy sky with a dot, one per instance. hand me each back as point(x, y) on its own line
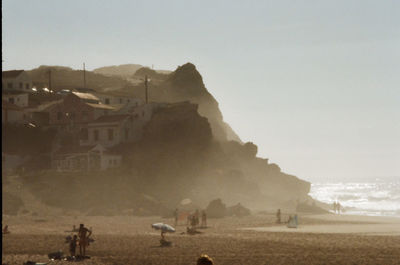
point(315, 84)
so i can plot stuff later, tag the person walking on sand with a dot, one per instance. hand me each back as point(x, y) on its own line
point(278, 216)
point(84, 235)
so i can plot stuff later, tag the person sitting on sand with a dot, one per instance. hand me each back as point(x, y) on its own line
point(205, 260)
point(278, 216)
point(72, 246)
point(84, 235)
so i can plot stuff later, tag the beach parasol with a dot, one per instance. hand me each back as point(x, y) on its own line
point(163, 227)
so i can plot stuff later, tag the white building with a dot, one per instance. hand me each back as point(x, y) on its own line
point(20, 99)
point(84, 158)
point(16, 80)
point(111, 130)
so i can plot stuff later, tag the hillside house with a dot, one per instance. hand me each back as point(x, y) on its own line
point(111, 130)
point(16, 80)
point(18, 98)
point(77, 110)
point(84, 158)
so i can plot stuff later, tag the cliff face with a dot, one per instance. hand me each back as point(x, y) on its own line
point(186, 83)
point(188, 151)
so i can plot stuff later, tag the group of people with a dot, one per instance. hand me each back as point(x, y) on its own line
point(337, 207)
point(193, 220)
point(291, 222)
point(82, 239)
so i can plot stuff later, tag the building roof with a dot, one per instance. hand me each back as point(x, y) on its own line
point(116, 93)
point(45, 106)
point(11, 73)
point(100, 106)
point(111, 118)
point(9, 106)
point(86, 96)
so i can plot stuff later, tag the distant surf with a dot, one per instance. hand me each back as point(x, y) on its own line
point(378, 197)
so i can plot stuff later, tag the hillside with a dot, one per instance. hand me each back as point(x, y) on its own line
point(123, 70)
point(67, 78)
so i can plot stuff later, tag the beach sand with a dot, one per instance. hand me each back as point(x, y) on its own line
point(256, 239)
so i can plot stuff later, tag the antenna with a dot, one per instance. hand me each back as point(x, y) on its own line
point(49, 79)
point(146, 87)
point(84, 76)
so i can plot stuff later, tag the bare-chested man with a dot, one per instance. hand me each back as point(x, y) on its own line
point(84, 235)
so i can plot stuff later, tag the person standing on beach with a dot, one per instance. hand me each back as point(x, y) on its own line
point(176, 216)
point(72, 246)
point(204, 219)
point(84, 235)
point(278, 216)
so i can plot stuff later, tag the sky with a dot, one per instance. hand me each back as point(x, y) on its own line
point(315, 84)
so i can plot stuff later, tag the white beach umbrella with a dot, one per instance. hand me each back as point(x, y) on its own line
point(163, 227)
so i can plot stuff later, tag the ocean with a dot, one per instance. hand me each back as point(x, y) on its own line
point(377, 197)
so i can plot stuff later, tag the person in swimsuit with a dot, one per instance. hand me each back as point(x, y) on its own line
point(84, 235)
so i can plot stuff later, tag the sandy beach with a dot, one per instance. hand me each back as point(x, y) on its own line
point(256, 239)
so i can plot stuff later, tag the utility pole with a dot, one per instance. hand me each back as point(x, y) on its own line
point(49, 79)
point(84, 76)
point(146, 87)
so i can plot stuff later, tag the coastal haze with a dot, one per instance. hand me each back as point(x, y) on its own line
point(124, 115)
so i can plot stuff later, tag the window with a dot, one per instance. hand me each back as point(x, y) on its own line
point(59, 115)
point(110, 134)
point(9, 85)
point(11, 100)
point(27, 86)
point(107, 101)
point(20, 85)
point(96, 135)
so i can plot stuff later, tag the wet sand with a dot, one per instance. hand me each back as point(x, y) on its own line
point(130, 240)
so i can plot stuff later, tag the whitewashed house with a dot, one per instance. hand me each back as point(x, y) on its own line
point(18, 98)
point(16, 80)
point(84, 158)
point(110, 130)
